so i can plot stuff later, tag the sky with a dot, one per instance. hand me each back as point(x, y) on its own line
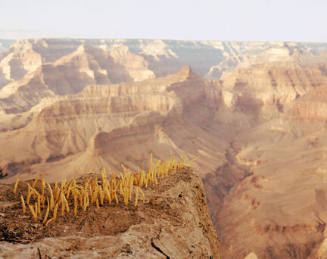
point(286, 20)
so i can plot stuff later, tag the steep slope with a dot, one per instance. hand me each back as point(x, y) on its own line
point(136, 66)
point(250, 53)
point(20, 96)
point(71, 73)
point(163, 57)
point(258, 132)
point(311, 106)
point(18, 61)
point(106, 124)
point(266, 90)
point(279, 209)
point(259, 162)
point(272, 191)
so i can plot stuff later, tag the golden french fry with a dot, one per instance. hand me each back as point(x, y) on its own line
point(23, 204)
point(46, 214)
point(16, 184)
point(39, 204)
point(75, 204)
point(136, 196)
point(55, 211)
point(49, 221)
point(29, 193)
point(42, 184)
point(33, 213)
point(35, 181)
point(142, 195)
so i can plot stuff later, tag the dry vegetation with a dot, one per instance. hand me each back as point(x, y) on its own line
point(44, 202)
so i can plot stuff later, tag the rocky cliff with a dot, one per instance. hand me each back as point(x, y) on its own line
point(208, 58)
point(85, 130)
point(173, 222)
point(256, 135)
point(271, 191)
point(67, 75)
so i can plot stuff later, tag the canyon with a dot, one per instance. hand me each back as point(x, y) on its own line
point(250, 116)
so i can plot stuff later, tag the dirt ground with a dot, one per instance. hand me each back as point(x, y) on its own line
point(106, 220)
point(173, 220)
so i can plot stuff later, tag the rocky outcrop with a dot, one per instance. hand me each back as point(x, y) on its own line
point(20, 96)
point(136, 66)
point(18, 61)
point(254, 53)
point(97, 122)
point(310, 107)
point(272, 187)
point(173, 222)
point(208, 58)
point(257, 135)
point(277, 211)
point(71, 74)
point(270, 89)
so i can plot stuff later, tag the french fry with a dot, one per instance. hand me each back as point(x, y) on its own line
point(93, 191)
point(56, 192)
point(49, 221)
point(63, 205)
point(107, 193)
point(143, 198)
point(55, 211)
point(75, 204)
point(101, 193)
point(33, 213)
point(29, 193)
point(136, 196)
point(35, 181)
point(42, 184)
point(23, 204)
point(66, 204)
point(52, 202)
point(16, 184)
point(39, 204)
point(46, 214)
point(116, 198)
point(84, 202)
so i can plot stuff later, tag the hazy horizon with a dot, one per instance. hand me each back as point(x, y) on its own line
point(255, 20)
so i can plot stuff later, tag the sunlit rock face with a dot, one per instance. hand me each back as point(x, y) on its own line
point(96, 122)
point(271, 88)
point(251, 115)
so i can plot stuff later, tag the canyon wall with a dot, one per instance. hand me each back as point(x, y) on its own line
point(251, 117)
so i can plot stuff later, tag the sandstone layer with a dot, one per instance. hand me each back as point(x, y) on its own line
point(256, 135)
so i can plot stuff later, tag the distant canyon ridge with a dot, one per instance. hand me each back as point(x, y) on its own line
point(254, 114)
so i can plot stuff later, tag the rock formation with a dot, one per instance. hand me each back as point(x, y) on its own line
point(67, 75)
point(272, 199)
point(256, 134)
point(91, 125)
point(173, 222)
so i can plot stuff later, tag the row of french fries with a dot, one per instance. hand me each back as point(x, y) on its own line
point(44, 200)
